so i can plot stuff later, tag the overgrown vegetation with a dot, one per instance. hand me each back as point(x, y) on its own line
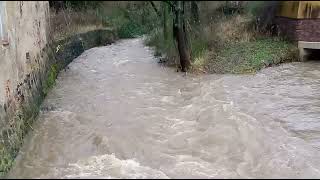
point(133, 21)
point(251, 56)
point(51, 79)
point(128, 19)
point(215, 33)
point(13, 136)
point(232, 41)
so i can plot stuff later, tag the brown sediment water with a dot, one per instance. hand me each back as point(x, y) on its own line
point(116, 113)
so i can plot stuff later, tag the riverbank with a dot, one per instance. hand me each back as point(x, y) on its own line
point(248, 57)
point(227, 44)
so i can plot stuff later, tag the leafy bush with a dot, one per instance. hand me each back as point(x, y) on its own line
point(83, 5)
point(129, 30)
point(133, 22)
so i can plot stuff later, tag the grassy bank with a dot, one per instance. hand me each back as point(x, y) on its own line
point(251, 56)
point(227, 44)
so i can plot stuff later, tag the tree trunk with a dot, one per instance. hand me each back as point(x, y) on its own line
point(181, 37)
point(165, 19)
point(184, 25)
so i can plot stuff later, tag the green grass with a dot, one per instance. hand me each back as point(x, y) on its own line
point(6, 161)
point(198, 47)
point(51, 79)
point(249, 57)
point(13, 136)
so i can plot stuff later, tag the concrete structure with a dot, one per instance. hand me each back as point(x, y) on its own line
point(23, 37)
point(300, 21)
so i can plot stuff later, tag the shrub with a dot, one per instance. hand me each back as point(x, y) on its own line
point(83, 5)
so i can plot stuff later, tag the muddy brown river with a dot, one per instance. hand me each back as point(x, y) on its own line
point(116, 113)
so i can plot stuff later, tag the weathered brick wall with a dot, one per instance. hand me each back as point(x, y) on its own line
point(22, 62)
point(308, 30)
point(299, 29)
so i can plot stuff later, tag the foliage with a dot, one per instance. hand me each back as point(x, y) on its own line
point(83, 5)
point(254, 7)
point(249, 57)
point(51, 79)
point(225, 43)
point(133, 22)
point(230, 43)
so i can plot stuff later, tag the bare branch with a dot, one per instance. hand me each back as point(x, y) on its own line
point(155, 8)
point(171, 4)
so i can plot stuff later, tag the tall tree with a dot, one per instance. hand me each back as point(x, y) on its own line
point(180, 34)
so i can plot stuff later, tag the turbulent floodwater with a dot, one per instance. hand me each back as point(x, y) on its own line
point(115, 113)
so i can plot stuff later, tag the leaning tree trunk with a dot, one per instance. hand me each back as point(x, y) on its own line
point(180, 35)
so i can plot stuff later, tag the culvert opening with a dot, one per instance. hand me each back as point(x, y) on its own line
point(313, 54)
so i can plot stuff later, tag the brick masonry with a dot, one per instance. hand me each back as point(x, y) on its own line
point(299, 29)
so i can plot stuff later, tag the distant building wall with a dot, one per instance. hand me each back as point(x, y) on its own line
point(300, 20)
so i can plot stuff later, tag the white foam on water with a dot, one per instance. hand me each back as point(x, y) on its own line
point(109, 166)
point(120, 62)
